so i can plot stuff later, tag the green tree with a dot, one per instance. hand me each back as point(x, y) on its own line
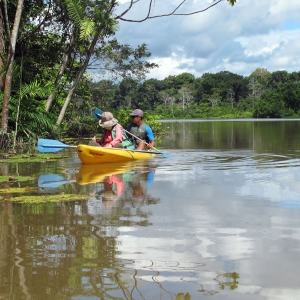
point(277, 77)
point(10, 64)
point(58, 40)
point(184, 79)
point(224, 81)
point(271, 105)
point(290, 92)
point(260, 72)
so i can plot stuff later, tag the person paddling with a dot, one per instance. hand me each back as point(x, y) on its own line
point(113, 135)
point(145, 137)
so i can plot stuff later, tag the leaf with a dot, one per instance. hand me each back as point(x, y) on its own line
point(86, 28)
point(75, 10)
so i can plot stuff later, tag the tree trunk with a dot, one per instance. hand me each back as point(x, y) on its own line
point(77, 80)
point(9, 72)
point(60, 74)
point(2, 49)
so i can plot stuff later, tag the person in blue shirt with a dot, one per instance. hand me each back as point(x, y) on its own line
point(142, 134)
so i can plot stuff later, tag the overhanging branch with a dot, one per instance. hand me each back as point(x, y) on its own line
point(173, 13)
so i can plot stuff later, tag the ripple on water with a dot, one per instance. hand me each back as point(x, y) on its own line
point(226, 160)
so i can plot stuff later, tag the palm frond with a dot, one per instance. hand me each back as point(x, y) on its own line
point(38, 122)
point(75, 10)
point(33, 89)
point(86, 28)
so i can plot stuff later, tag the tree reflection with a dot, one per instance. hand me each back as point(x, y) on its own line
point(228, 280)
point(182, 296)
point(69, 250)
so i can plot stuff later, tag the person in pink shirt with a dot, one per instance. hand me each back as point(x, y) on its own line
point(114, 135)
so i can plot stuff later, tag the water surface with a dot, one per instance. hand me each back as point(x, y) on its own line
point(219, 218)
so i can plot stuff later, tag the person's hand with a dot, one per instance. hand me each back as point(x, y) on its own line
point(108, 146)
point(94, 139)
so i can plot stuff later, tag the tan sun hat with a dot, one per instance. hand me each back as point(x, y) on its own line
point(107, 119)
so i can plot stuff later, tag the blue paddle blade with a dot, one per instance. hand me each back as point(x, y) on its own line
point(98, 113)
point(46, 146)
point(51, 181)
point(164, 155)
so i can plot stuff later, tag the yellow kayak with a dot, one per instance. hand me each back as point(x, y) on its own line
point(101, 155)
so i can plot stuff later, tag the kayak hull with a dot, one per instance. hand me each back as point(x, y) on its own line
point(101, 155)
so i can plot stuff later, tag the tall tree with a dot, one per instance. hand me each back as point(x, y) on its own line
point(61, 72)
point(2, 46)
point(46, 26)
point(10, 64)
point(106, 28)
point(186, 97)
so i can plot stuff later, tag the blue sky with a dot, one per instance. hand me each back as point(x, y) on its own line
point(291, 25)
point(251, 34)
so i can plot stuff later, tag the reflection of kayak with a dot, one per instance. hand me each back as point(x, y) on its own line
point(96, 155)
point(96, 173)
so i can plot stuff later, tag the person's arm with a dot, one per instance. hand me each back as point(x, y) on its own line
point(150, 136)
point(103, 142)
point(119, 136)
point(96, 140)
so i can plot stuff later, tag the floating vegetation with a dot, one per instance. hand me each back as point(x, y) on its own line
point(18, 190)
point(16, 178)
point(34, 157)
point(46, 198)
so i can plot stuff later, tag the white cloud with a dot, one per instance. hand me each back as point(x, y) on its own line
point(170, 66)
point(238, 39)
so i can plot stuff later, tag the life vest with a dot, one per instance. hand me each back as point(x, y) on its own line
point(138, 131)
point(126, 142)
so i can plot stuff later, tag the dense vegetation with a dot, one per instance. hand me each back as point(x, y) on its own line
point(221, 95)
point(50, 49)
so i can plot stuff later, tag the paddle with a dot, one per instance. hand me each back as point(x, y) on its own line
point(52, 181)
point(97, 115)
point(45, 145)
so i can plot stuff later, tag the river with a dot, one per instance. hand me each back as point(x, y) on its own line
point(219, 217)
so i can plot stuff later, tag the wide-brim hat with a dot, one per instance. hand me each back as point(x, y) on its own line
point(107, 119)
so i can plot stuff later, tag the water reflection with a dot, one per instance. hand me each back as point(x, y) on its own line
point(117, 181)
point(219, 218)
point(79, 250)
point(71, 250)
point(51, 181)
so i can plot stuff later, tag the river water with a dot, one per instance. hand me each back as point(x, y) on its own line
point(220, 218)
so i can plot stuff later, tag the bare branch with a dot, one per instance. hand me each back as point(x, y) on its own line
point(173, 13)
point(128, 9)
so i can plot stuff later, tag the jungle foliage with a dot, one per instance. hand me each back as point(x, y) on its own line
point(60, 46)
point(222, 95)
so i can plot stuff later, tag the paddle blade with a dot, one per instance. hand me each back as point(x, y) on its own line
point(164, 155)
point(45, 145)
point(98, 113)
point(161, 153)
point(51, 181)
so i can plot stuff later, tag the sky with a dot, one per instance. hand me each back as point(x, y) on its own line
point(252, 34)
